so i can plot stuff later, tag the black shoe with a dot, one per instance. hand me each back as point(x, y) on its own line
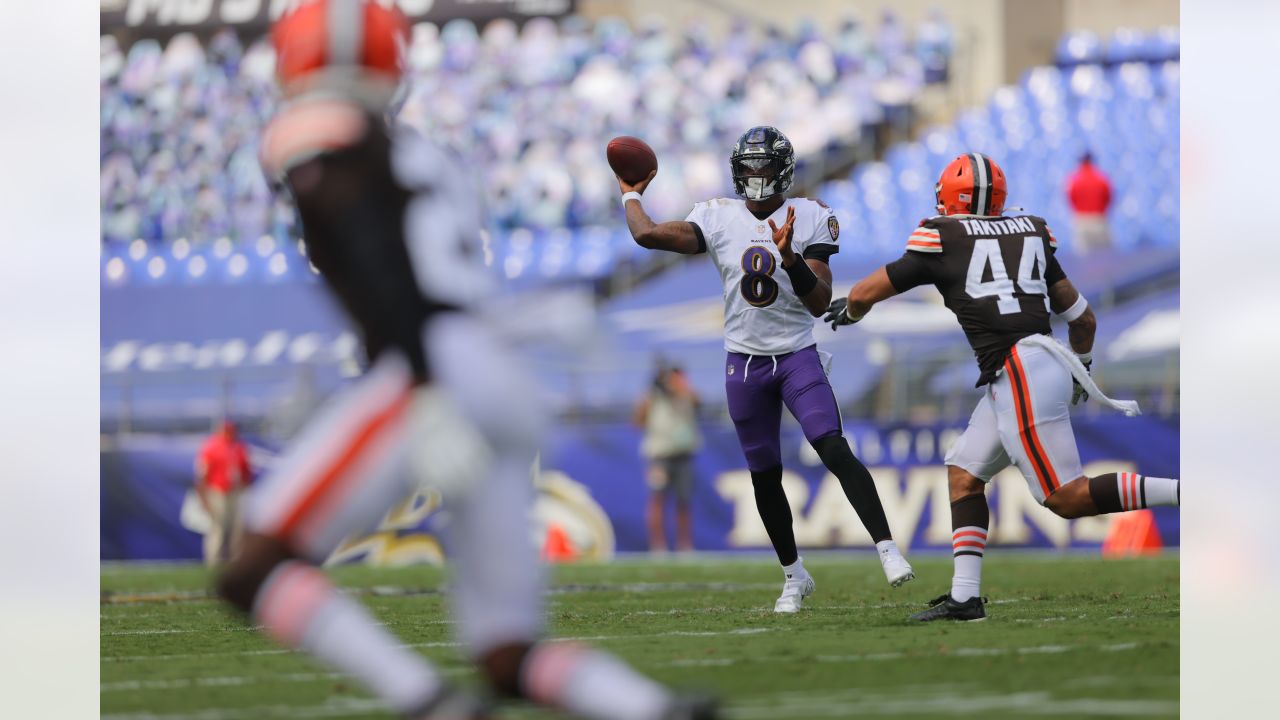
point(454, 704)
point(693, 707)
point(944, 608)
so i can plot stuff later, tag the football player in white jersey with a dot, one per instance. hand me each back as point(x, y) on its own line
point(390, 226)
point(772, 254)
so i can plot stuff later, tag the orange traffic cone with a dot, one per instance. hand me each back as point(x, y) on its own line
point(1132, 533)
point(557, 547)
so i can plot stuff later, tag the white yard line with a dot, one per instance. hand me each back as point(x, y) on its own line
point(939, 701)
point(592, 638)
point(332, 709)
point(182, 683)
point(877, 702)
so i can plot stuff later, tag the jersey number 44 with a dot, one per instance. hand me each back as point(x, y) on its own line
point(988, 261)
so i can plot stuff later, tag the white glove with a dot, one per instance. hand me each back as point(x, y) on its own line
point(447, 452)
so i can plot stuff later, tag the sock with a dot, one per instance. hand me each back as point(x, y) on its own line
point(970, 518)
point(795, 569)
point(590, 683)
point(775, 512)
point(885, 546)
point(856, 482)
point(1121, 492)
point(302, 610)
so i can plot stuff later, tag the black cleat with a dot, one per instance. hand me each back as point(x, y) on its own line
point(944, 608)
point(454, 704)
point(693, 707)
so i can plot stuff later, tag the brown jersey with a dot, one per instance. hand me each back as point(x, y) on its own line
point(361, 218)
point(993, 273)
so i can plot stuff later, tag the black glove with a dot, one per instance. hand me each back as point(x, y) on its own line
point(1078, 394)
point(836, 314)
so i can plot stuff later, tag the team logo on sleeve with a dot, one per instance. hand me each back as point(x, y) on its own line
point(833, 227)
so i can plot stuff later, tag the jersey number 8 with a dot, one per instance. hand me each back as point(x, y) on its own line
point(987, 252)
point(758, 286)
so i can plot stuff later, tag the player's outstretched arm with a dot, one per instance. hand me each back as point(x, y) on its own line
point(864, 295)
point(1082, 324)
point(678, 236)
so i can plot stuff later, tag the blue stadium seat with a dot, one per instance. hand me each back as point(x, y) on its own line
point(1161, 45)
point(556, 257)
point(1125, 45)
point(1078, 48)
point(595, 253)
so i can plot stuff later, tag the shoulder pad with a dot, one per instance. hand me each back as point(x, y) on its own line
point(1037, 220)
point(925, 239)
point(303, 130)
point(936, 221)
point(1053, 241)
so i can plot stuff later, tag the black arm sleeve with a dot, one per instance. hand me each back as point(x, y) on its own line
point(702, 239)
point(911, 270)
point(1053, 272)
point(821, 251)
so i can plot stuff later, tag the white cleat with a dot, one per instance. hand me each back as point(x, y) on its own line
point(896, 568)
point(793, 594)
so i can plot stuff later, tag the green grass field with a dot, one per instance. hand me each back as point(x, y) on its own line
point(1067, 636)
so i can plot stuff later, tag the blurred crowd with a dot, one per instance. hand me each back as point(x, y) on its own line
point(532, 107)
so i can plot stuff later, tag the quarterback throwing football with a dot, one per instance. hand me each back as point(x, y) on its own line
point(772, 254)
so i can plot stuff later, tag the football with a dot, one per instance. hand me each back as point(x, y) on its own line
point(631, 158)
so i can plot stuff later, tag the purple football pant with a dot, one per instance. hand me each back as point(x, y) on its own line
point(758, 385)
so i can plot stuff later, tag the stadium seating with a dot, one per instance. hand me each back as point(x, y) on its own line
point(1126, 115)
point(533, 107)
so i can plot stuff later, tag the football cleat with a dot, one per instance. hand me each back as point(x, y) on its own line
point(693, 707)
point(944, 608)
point(794, 591)
point(896, 568)
point(453, 704)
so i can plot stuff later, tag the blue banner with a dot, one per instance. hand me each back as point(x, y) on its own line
point(592, 489)
point(906, 462)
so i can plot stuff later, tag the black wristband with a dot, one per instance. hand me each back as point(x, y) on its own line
point(802, 277)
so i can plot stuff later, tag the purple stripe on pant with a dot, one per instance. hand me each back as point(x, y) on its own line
point(757, 388)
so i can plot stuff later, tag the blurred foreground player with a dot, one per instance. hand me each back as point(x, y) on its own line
point(1001, 278)
point(390, 224)
point(768, 331)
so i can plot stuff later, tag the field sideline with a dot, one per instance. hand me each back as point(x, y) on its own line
point(1068, 636)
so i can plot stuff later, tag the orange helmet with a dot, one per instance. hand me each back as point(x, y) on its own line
point(972, 184)
point(352, 42)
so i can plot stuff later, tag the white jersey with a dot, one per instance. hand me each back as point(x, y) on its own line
point(762, 314)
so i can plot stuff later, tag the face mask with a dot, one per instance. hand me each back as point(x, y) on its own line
point(758, 188)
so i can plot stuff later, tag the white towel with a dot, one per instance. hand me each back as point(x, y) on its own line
point(1078, 371)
